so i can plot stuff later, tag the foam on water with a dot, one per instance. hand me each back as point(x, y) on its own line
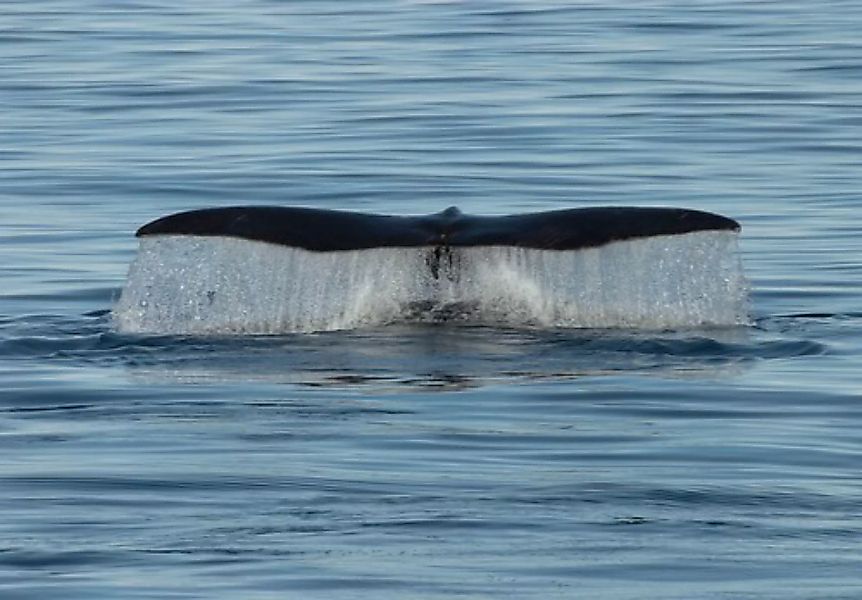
point(209, 285)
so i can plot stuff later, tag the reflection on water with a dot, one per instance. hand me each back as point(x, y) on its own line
point(439, 355)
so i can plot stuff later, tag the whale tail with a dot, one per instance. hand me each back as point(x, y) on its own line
point(265, 269)
point(331, 230)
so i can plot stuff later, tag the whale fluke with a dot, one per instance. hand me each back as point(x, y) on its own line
point(321, 230)
point(273, 270)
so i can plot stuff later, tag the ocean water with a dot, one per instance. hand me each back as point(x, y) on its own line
point(430, 458)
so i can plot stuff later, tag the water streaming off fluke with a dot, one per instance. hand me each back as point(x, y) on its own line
point(216, 285)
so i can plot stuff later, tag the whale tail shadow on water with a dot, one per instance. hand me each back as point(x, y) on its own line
point(585, 267)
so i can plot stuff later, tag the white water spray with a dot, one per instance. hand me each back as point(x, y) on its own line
point(218, 285)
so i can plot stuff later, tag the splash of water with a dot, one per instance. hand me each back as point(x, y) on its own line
point(214, 285)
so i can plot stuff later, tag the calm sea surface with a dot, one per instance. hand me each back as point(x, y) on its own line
point(430, 460)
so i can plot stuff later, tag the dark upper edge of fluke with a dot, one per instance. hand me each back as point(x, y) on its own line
point(332, 230)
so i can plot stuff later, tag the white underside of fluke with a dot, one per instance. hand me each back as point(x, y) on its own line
point(220, 285)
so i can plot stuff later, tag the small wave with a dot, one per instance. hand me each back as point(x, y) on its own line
point(204, 285)
point(423, 355)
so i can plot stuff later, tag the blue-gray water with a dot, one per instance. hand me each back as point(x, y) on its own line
point(430, 460)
